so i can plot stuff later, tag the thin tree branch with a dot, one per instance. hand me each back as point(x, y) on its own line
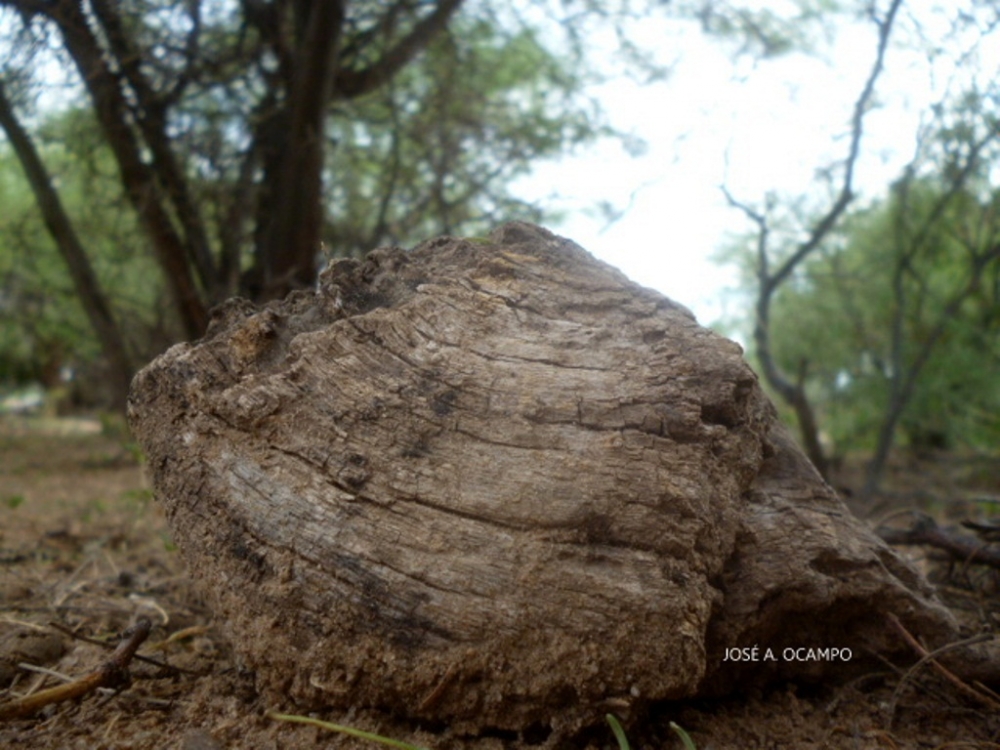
point(846, 195)
point(113, 673)
point(150, 116)
point(794, 393)
point(395, 161)
point(354, 83)
point(139, 180)
point(931, 658)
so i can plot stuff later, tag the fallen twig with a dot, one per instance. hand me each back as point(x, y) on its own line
point(438, 692)
point(931, 657)
point(145, 659)
point(113, 673)
point(968, 549)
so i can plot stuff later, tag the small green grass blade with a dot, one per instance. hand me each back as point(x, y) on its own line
point(296, 719)
point(619, 733)
point(685, 737)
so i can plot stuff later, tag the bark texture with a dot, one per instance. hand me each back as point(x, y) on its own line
point(499, 485)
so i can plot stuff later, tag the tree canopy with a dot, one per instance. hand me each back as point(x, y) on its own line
point(215, 127)
point(174, 155)
point(891, 293)
point(878, 319)
point(249, 138)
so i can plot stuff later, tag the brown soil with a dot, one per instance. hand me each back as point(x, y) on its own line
point(82, 545)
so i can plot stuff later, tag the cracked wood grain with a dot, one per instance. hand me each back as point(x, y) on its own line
point(504, 459)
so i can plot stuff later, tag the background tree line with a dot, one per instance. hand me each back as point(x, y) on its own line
point(162, 157)
point(877, 321)
point(228, 142)
point(205, 131)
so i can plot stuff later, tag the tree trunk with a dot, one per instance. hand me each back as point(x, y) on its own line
point(293, 240)
point(71, 249)
point(138, 178)
point(497, 485)
point(905, 375)
point(770, 281)
point(794, 394)
point(149, 112)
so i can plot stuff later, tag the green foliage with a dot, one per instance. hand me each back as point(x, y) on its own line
point(38, 311)
point(622, 739)
point(862, 312)
point(435, 150)
point(766, 32)
point(42, 325)
point(13, 501)
point(434, 113)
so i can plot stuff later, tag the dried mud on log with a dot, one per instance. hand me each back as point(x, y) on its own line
point(497, 484)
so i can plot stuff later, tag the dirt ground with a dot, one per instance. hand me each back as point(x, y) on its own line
point(85, 550)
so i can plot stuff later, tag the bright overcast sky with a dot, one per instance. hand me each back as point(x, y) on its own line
point(756, 128)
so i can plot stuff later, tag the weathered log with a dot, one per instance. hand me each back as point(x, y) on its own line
point(499, 485)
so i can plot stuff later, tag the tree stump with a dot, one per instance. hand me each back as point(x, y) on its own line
point(496, 484)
